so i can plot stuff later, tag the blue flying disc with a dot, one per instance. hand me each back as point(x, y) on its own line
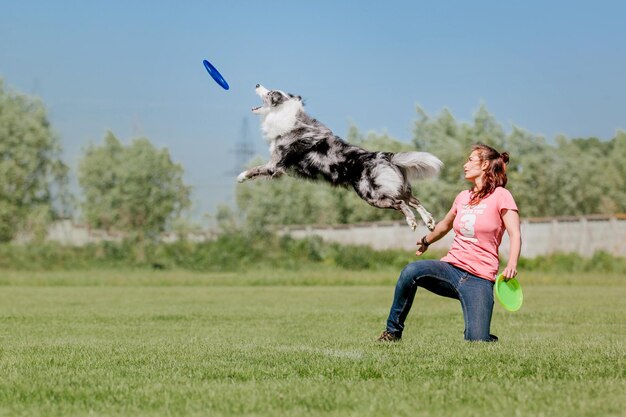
point(213, 72)
point(509, 293)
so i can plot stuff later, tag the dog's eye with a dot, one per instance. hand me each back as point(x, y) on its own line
point(276, 97)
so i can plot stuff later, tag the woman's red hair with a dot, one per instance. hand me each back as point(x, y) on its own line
point(495, 174)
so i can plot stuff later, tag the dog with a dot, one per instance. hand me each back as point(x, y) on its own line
point(303, 147)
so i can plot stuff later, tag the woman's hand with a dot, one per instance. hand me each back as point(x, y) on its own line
point(438, 232)
point(421, 248)
point(509, 272)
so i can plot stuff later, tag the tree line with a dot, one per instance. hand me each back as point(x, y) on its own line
point(134, 188)
point(137, 188)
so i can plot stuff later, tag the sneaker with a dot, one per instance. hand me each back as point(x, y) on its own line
point(387, 336)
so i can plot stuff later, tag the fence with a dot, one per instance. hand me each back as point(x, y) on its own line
point(540, 236)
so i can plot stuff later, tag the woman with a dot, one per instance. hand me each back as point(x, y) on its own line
point(479, 217)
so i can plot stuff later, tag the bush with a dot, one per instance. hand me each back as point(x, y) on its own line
point(240, 251)
point(560, 262)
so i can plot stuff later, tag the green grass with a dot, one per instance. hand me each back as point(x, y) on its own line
point(264, 343)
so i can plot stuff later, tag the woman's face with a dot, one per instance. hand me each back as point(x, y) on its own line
point(474, 167)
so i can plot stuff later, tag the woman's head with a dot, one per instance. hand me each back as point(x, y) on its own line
point(488, 167)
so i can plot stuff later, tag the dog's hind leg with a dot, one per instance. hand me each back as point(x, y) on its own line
point(424, 214)
point(260, 171)
point(399, 205)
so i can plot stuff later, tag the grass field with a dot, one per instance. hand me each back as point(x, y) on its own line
point(269, 343)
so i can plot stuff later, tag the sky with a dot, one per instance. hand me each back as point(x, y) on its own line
point(135, 68)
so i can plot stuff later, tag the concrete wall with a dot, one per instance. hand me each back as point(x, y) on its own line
point(582, 235)
point(66, 232)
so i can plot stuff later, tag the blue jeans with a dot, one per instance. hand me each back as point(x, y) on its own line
point(442, 278)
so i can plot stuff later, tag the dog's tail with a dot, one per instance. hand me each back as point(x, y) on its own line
point(418, 165)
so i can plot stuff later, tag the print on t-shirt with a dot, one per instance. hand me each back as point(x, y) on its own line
point(468, 220)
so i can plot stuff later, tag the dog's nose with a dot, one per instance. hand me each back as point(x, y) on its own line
point(258, 85)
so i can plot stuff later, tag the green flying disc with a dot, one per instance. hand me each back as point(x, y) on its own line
point(509, 293)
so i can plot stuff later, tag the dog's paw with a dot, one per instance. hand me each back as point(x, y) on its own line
point(412, 224)
point(431, 224)
point(242, 177)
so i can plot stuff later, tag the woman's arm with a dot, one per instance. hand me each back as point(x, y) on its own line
point(441, 229)
point(512, 224)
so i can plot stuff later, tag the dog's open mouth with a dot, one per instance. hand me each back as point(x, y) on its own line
point(259, 108)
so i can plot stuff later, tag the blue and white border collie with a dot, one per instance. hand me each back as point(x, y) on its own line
point(303, 147)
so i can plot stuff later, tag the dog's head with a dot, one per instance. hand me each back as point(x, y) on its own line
point(274, 100)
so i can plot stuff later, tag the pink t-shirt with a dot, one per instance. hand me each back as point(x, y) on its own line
point(478, 232)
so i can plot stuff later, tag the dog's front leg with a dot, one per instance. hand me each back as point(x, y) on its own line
point(260, 171)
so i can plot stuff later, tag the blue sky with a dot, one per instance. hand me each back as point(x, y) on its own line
point(135, 68)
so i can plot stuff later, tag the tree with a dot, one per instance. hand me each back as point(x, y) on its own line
point(590, 176)
point(135, 188)
point(33, 178)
